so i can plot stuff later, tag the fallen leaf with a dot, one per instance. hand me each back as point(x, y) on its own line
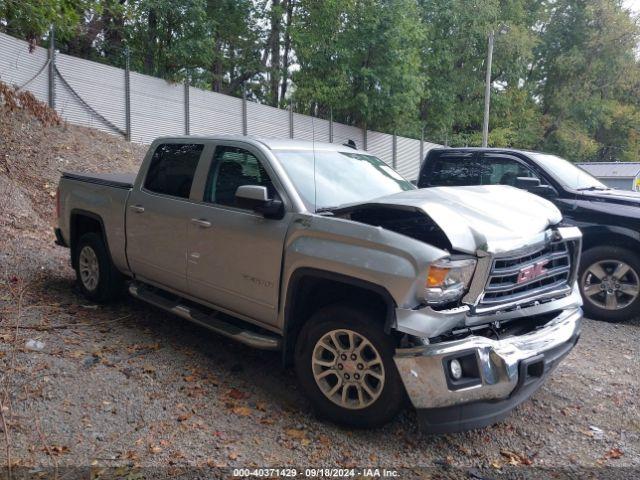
point(237, 394)
point(242, 411)
point(295, 433)
point(614, 453)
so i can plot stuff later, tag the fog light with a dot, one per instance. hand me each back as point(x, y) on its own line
point(456, 369)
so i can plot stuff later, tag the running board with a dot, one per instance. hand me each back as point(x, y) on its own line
point(208, 320)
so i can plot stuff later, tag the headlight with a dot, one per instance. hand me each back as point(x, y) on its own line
point(447, 280)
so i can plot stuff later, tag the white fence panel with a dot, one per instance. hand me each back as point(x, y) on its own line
point(266, 121)
point(17, 66)
point(343, 133)
point(101, 86)
point(214, 113)
point(157, 108)
point(305, 127)
point(380, 145)
point(408, 157)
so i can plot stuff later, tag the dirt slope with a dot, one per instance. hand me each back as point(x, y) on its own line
point(35, 149)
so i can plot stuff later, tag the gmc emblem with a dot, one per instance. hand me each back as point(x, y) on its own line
point(532, 271)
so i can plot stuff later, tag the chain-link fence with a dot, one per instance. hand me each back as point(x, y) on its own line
point(141, 108)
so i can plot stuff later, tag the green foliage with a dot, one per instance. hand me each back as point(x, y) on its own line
point(565, 76)
point(361, 59)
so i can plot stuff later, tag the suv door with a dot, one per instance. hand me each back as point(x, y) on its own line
point(235, 254)
point(158, 213)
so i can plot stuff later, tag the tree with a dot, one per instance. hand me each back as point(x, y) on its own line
point(361, 59)
point(589, 81)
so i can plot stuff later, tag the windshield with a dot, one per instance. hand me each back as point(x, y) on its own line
point(567, 173)
point(340, 177)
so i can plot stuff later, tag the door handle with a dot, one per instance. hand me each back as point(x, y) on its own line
point(137, 208)
point(201, 223)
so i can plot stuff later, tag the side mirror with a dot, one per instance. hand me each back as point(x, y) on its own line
point(532, 185)
point(526, 183)
point(256, 198)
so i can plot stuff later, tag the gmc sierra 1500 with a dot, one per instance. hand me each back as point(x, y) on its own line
point(464, 299)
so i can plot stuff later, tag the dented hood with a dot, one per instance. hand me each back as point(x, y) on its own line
point(491, 218)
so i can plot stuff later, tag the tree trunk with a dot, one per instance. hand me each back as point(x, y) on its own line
point(152, 33)
point(276, 21)
point(216, 67)
point(289, 4)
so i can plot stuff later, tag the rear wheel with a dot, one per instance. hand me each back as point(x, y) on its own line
point(98, 279)
point(610, 283)
point(344, 362)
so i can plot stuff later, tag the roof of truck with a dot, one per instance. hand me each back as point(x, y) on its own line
point(483, 149)
point(270, 142)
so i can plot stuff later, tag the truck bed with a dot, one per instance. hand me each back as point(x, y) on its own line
point(117, 180)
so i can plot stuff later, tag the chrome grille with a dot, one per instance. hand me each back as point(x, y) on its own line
point(506, 282)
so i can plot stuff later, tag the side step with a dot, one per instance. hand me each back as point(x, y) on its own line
point(211, 320)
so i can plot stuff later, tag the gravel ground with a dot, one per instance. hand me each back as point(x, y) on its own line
point(130, 387)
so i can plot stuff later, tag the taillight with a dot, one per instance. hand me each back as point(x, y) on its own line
point(57, 203)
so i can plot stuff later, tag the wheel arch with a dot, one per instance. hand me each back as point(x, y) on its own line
point(601, 235)
point(83, 221)
point(310, 289)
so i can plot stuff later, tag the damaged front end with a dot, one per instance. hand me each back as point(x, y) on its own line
point(469, 357)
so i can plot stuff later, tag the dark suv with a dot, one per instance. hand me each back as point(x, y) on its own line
point(609, 274)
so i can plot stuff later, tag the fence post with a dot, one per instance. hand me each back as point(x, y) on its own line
point(394, 151)
point(290, 119)
point(186, 107)
point(127, 95)
point(364, 136)
point(52, 68)
point(330, 125)
point(244, 111)
point(421, 147)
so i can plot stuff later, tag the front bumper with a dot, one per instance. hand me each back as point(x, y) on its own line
point(507, 372)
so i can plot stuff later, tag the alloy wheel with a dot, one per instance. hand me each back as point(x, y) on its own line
point(348, 369)
point(610, 284)
point(89, 268)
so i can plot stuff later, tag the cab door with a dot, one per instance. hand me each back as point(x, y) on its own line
point(234, 255)
point(158, 213)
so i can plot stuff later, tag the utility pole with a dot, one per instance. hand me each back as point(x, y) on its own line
point(487, 92)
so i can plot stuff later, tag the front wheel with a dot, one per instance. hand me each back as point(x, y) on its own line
point(610, 283)
point(344, 363)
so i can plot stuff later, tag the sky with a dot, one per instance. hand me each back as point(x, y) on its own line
point(633, 5)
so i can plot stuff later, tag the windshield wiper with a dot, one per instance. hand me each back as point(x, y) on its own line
point(593, 187)
point(327, 210)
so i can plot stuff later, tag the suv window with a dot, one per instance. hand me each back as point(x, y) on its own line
point(459, 171)
point(450, 171)
point(233, 167)
point(172, 169)
point(504, 171)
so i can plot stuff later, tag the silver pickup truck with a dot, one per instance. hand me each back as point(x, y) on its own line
point(461, 299)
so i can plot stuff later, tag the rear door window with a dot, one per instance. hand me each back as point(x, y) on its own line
point(172, 169)
point(455, 171)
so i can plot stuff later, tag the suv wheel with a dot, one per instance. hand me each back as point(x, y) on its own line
point(97, 277)
point(344, 362)
point(610, 283)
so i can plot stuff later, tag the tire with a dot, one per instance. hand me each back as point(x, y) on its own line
point(368, 411)
point(608, 262)
point(97, 278)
